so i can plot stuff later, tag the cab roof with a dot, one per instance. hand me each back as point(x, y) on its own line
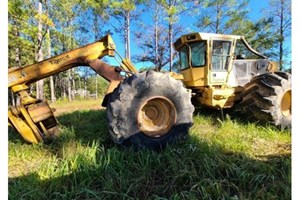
point(193, 37)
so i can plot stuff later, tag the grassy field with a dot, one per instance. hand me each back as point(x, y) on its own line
point(228, 159)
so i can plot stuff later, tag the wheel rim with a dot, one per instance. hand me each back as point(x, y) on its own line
point(156, 116)
point(286, 104)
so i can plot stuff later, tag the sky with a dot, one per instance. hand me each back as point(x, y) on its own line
point(255, 7)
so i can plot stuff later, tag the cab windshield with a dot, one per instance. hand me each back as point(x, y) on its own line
point(197, 51)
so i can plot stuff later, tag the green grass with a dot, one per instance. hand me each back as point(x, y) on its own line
point(228, 159)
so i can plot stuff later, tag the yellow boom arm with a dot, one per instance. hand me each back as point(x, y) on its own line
point(33, 118)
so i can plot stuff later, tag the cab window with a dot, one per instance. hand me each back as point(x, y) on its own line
point(183, 56)
point(220, 55)
point(198, 54)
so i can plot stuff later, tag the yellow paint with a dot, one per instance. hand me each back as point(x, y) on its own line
point(194, 77)
point(23, 128)
point(218, 98)
point(176, 76)
point(19, 78)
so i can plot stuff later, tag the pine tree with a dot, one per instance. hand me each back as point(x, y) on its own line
point(222, 16)
point(280, 13)
point(39, 53)
point(152, 38)
point(173, 9)
point(123, 11)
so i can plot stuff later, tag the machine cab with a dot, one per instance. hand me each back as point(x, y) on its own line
point(205, 59)
point(208, 59)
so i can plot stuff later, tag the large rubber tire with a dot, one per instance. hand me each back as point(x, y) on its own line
point(125, 103)
point(267, 98)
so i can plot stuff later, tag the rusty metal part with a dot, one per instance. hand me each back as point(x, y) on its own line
point(50, 128)
point(156, 116)
point(286, 103)
point(108, 72)
point(40, 111)
point(43, 117)
point(105, 70)
point(53, 131)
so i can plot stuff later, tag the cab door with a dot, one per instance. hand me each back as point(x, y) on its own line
point(193, 61)
point(220, 59)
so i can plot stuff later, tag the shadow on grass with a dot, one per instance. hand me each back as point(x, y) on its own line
point(233, 113)
point(86, 126)
point(191, 169)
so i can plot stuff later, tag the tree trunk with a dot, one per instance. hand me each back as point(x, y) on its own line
point(64, 89)
point(218, 19)
point(80, 88)
point(40, 83)
point(170, 35)
point(15, 98)
point(69, 85)
point(96, 29)
point(53, 98)
point(281, 37)
point(73, 83)
point(96, 86)
point(170, 44)
point(18, 55)
point(52, 93)
point(85, 92)
point(127, 35)
point(158, 68)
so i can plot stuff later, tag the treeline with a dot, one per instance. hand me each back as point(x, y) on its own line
point(39, 29)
